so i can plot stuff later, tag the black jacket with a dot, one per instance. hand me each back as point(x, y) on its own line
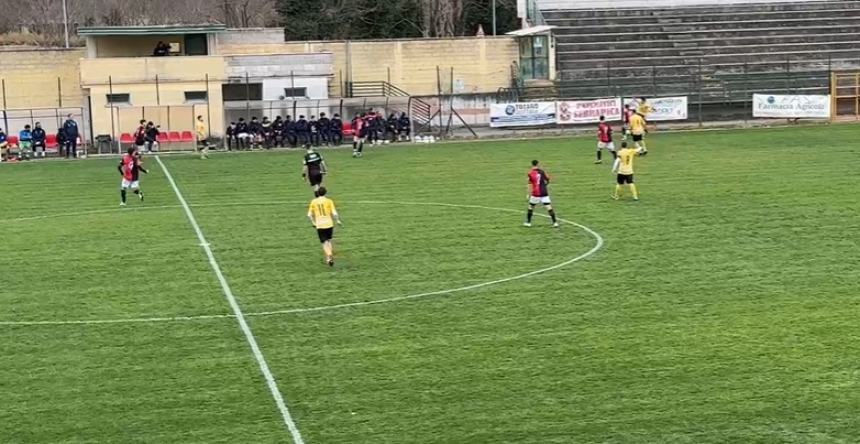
point(152, 134)
point(302, 126)
point(241, 127)
point(39, 135)
point(336, 125)
point(71, 128)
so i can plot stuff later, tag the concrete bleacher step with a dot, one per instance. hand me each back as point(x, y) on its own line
point(697, 26)
point(648, 36)
point(696, 18)
point(767, 39)
point(701, 9)
point(718, 50)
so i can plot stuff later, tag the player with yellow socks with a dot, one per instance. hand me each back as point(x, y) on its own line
point(623, 167)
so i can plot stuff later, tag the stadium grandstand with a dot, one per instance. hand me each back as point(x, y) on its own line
point(716, 50)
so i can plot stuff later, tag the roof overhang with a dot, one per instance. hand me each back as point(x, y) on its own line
point(103, 31)
point(542, 29)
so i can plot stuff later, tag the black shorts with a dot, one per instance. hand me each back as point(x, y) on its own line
point(637, 137)
point(325, 234)
point(315, 178)
point(625, 179)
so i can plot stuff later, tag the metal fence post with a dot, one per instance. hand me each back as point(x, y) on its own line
point(59, 92)
point(700, 91)
point(5, 106)
point(653, 81)
point(608, 79)
point(208, 108)
point(745, 93)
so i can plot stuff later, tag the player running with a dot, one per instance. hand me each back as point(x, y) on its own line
point(359, 126)
point(604, 139)
point(130, 167)
point(313, 168)
point(623, 167)
point(323, 215)
point(626, 114)
point(638, 128)
point(538, 189)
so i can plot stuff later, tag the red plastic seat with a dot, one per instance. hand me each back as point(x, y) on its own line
point(187, 136)
point(12, 141)
point(347, 129)
point(164, 137)
point(126, 138)
point(51, 141)
point(174, 136)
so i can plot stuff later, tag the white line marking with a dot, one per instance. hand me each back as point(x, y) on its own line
point(237, 312)
point(590, 252)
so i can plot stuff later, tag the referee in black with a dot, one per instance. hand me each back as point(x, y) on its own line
point(313, 168)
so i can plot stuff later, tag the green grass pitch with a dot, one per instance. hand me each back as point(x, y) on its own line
point(723, 307)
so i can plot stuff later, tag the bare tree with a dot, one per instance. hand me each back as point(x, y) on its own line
point(442, 18)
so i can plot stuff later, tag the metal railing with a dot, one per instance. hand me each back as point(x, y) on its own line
point(731, 82)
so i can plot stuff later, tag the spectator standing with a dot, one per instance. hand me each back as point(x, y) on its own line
point(70, 128)
point(152, 134)
point(40, 140)
point(202, 137)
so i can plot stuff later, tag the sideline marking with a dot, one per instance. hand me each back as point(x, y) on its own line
point(598, 245)
point(237, 311)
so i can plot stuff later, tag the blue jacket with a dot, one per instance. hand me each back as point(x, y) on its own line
point(25, 136)
point(70, 127)
point(2, 137)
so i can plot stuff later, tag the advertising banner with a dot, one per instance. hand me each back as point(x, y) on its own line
point(663, 108)
point(522, 114)
point(589, 111)
point(791, 106)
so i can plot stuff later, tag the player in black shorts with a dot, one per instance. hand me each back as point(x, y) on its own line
point(313, 168)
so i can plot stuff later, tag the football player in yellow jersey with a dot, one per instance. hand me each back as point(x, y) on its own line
point(623, 167)
point(638, 128)
point(323, 216)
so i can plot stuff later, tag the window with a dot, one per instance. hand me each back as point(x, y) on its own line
point(196, 44)
point(196, 96)
point(295, 92)
point(534, 57)
point(242, 91)
point(118, 99)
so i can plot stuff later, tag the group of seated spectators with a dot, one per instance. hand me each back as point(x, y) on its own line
point(32, 142)
point(304, 132)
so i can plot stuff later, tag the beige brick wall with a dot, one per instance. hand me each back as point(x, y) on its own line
point(479, 64)
point(31, 78)
point(166, 108)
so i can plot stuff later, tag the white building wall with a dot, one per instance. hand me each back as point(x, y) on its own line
point(273, 89)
